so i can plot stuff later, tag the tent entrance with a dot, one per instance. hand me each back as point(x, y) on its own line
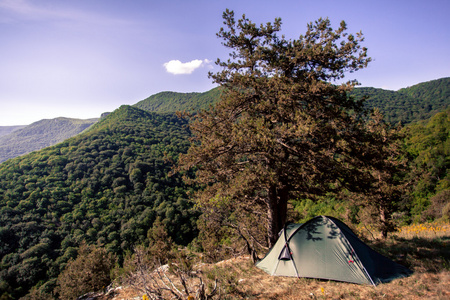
point(285, 253)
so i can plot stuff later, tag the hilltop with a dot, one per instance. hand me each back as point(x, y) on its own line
point(170, 102)
point(407, 105)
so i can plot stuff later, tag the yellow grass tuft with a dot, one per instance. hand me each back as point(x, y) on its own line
point(429, 230)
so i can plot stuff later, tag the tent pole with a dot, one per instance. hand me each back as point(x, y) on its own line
point(367, 273)
point(293, 263)
point(289, 250)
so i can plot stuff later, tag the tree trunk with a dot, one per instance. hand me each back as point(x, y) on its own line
point(384, 223)
point(276, 213)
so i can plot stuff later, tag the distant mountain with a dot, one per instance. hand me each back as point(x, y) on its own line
point(4, 130)
point(41, 134)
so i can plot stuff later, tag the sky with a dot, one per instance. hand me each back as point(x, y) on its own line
point(80, 58)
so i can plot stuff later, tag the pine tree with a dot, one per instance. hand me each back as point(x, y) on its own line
point(283, 127)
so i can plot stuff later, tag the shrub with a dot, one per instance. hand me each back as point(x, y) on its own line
point(90, 271)
point(440, 206)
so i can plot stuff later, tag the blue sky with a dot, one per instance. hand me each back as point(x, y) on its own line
point(79, 58)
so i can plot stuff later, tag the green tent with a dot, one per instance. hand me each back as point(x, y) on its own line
point(326, 248)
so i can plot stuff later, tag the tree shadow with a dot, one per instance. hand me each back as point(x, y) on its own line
point(313, 232)
point(418, 254)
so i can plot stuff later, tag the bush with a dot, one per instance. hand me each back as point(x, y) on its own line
point(90, 271)
point(440, 206)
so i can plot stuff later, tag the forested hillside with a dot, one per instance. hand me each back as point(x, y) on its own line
point(434, 93)
point(106, 187)
point(418, 102)
point(428, 145)
point(39, 135)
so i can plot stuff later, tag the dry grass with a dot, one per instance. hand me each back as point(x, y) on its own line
point(425, 249)
point(252, 283)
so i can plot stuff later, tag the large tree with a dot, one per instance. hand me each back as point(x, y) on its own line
point(284, 127)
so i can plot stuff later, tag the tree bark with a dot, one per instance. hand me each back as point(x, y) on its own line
point(384, 222)
point(277, 212)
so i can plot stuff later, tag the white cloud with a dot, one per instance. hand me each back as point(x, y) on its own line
point(177, 67)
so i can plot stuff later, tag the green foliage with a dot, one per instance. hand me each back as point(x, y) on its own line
point(106, 186)
point(170, 102)
point(307, 209)
point(90, 271)
point(428, 145)
point(433, 94)
point(407, 105)
point(281, 129)
point(160, 244)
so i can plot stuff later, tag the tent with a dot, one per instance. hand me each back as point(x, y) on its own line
point(326, 248)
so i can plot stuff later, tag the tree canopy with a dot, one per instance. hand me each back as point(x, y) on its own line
point(282, 128)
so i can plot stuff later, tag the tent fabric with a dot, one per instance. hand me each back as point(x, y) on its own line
point(326, 248)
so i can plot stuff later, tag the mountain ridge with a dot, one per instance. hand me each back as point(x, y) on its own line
point(5, 130)
point(417, 102)
point(40, 134)
point(410, 104)
point(414, 103)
